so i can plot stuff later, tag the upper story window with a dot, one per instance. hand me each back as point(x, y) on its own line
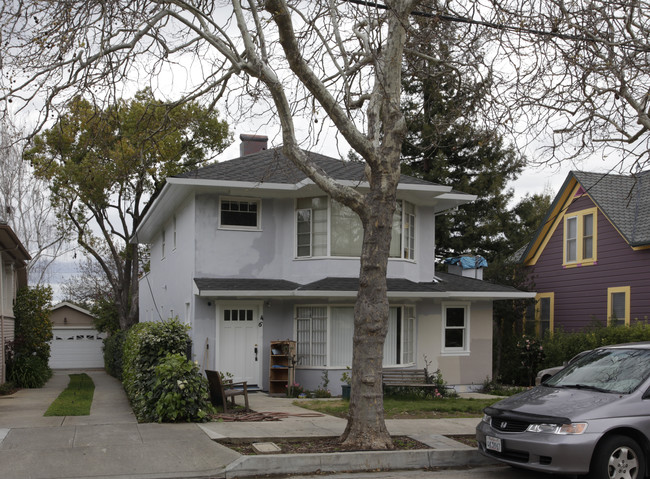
point(163, 244)
point(328, 228)
point(580, 238)
point(618, 306)
point(239, 213)
point(174, 232)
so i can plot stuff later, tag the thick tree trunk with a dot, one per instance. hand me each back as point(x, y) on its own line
point(366, 427)
point(127, 303)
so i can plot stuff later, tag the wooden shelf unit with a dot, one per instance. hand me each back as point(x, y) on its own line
point(281, 369)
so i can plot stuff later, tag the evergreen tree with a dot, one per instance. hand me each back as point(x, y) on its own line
point(447, 143)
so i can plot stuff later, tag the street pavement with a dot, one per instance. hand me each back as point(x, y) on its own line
point(110, 443)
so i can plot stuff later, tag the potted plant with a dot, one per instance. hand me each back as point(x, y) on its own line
point(346, 378)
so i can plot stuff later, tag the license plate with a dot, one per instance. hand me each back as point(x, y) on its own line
point(493, 443)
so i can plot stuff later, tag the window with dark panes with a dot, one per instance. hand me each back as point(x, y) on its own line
point(239, 213)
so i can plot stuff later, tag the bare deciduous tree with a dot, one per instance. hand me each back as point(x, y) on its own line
point(25, 206)
point(574, 75)
point(333, 59)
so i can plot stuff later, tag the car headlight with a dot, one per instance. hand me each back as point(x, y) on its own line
point(573, 428)
point(487, 419)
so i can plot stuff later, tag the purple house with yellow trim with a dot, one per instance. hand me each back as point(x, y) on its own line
point(590, 258)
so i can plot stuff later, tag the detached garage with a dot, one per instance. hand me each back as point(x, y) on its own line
point(76, 344)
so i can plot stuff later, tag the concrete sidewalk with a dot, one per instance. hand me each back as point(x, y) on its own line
point(111, 444)
point(108, 443)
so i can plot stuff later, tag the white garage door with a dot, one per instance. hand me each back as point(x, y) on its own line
point(76, 348)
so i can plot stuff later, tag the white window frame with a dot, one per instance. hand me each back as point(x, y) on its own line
point(465, 349)
point(407, 233)
point(174, 233)
point(163, 240)
point(257, 201)
point(311, 236)
point(409, 317)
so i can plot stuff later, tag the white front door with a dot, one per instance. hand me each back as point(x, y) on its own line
point(240, 350)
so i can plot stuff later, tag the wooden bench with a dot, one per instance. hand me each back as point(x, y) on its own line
point(221, 390)
point(405, 378)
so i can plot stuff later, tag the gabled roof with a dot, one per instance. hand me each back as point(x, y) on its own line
point(448, 286)
point(66, 304)
point(623, 199)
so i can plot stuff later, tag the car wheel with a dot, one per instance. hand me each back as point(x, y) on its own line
point(618, 457)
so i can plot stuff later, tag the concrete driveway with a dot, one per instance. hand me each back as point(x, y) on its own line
point(107, 443)
point(25, 408)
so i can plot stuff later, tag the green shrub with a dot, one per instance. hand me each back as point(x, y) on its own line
point(562, 346)
point(180, 392)
point(28, 371)
point(33, 326)
point(7, 388)
point(559, 347)
point(113, 353)
point(145, 346)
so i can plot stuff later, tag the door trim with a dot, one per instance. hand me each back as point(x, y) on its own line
point(258, 305)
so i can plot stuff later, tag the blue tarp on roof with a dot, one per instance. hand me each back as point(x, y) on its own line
point(468, 262)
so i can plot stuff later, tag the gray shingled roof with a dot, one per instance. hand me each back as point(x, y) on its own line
point(625, 200)
point(448, 283)
point(239, 284)
point(272, 166)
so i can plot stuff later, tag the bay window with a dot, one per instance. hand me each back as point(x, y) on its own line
point(323, 332)
point(325, 227)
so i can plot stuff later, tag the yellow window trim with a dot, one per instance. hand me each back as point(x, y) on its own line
point(538, 312)
point(580, 260)
point(618, 289)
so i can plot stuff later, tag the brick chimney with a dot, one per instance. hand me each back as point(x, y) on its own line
point(252, 144)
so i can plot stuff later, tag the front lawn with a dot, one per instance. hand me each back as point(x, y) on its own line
point(408, 408)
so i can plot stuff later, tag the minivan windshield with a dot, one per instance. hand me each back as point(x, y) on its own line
point(608, 370)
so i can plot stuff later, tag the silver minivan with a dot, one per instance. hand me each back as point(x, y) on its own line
point(592, 417)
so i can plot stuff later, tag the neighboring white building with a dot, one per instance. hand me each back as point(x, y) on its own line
point(13, 275)
point(249, 251)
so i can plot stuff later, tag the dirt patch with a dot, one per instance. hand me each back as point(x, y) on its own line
point(313, 445)
point(468, 440)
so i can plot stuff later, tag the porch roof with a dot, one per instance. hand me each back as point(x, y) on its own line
point(446, 286)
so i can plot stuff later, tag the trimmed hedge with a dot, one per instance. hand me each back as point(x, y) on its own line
point(562, 345)
point(113, 353)
point(146, 346)
point(559, 347)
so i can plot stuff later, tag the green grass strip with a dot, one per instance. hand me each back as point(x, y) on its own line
point(76, 399)
point(399, 408)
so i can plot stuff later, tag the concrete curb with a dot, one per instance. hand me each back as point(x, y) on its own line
point(278, 464)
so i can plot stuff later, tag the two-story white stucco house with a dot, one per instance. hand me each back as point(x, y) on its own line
point(249, 251)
